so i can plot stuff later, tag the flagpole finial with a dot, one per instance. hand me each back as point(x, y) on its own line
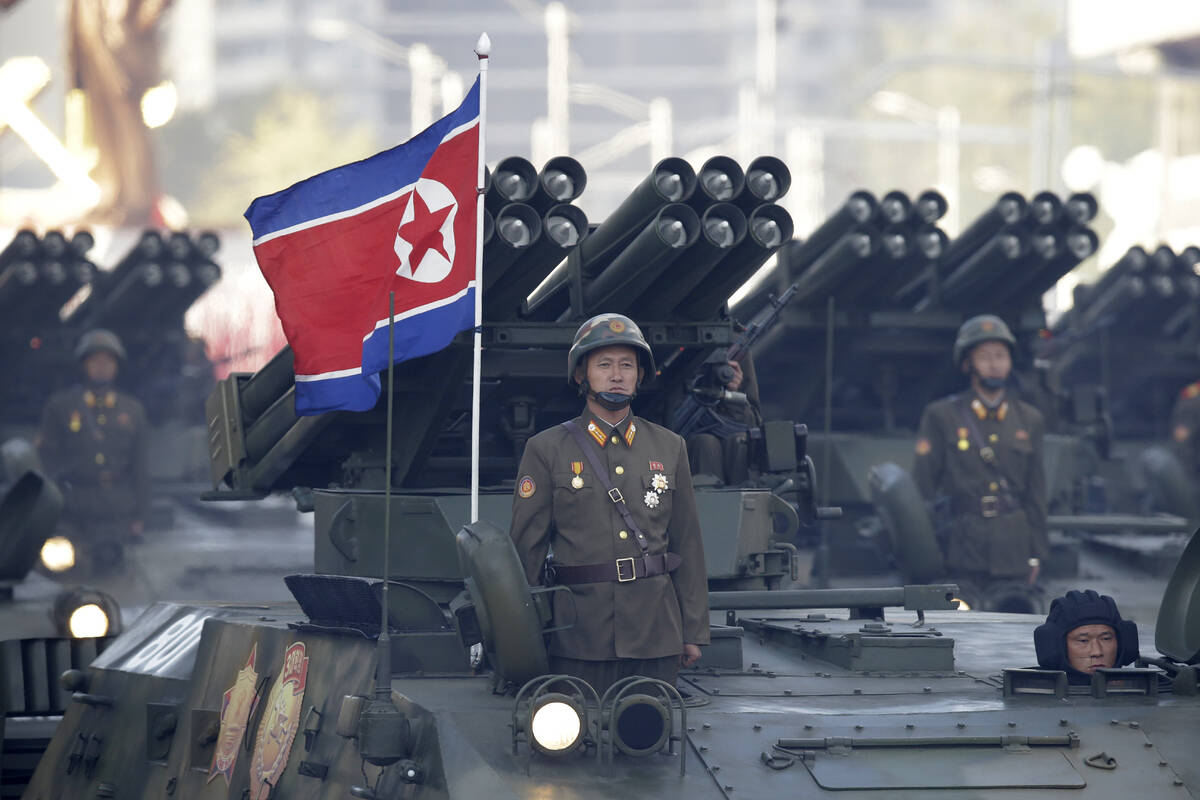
point(483, 47)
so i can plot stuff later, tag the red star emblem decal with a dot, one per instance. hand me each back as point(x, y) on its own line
point(424, 230)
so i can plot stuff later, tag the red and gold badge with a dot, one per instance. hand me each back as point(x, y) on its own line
point(526, 487)
point(657, 466)
point(597, 433)
point(1022, 434)
point(237, 704)
point(1181, 433)
point(616, 326)
point(277, 729)
point(923, 447)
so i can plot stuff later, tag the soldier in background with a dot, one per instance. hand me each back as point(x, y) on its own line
point(981, 451)
point(723, 457)
point(1185, 429)
point(93, 443)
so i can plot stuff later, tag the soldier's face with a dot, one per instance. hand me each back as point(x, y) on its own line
point(991, 360)
point(101, 367)
point(613, 369)
point(1090, 647)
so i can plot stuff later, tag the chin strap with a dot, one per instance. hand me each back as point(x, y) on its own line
point(991, 384)
point(613, 401)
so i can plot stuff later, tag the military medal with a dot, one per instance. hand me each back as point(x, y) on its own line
point(577, 468)
point(987, 454)
point(76, 422)
point(651, 499)
point(659, 482)
point(963, 444)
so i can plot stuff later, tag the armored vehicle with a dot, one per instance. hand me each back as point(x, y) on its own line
point(431, 682)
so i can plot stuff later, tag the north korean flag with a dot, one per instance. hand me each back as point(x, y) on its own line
point(333, 246)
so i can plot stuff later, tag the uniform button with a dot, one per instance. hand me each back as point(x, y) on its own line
point(993, 437)
point(623, 535)
point(615, 439)
point(993, 486)
point(99, 458)
point(619, 470)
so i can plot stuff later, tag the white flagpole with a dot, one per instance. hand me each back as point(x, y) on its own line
point(483, 49)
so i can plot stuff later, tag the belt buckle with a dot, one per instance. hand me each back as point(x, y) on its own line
point(989, 506)
point(632, 570)
point(614, 494)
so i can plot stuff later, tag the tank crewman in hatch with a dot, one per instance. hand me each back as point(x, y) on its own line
point(982, 449)
point(611, 495)
point(93, 442)
point(1082, 633)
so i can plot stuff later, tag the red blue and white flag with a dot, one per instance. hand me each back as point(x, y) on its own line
point(334, 245)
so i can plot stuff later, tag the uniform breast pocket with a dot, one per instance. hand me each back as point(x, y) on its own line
point(1022, 453)
point(571, 489)
point(658, 492)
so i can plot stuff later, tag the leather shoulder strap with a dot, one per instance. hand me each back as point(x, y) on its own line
point(614, 494)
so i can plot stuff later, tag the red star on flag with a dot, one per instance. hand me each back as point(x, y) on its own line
point(424, 231)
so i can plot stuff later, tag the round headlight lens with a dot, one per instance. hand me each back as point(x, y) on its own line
point(555, 726)
point(58, 554)
point(88, 622)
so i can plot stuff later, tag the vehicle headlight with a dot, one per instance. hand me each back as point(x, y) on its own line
point(88, 622)
point(58, 554)
point(641, 725)
point(85, 613)
point(555, 724)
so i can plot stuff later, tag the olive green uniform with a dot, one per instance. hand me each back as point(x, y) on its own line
point(93, 442)
point(1185, 428)
point(988, 462)
point(560, 503)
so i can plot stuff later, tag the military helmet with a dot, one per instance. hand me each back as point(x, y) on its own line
point(99, 339)
point(605, 330)
point(980, 329)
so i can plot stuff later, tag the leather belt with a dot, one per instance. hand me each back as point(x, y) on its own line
point(988, 506)
point(621, 570)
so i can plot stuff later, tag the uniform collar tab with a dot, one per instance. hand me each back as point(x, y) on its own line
point(625, 430)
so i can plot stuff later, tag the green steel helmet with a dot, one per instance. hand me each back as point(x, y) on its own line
point(604, 330)
point(980, 329)
point(99, 339)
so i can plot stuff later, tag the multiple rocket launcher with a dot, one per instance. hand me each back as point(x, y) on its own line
point(51, 293)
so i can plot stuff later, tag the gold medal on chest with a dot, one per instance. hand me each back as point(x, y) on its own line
point(577, 482)
point(577, 468)
point(963, 444)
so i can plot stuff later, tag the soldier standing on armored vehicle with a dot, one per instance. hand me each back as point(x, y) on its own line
point(93, 442)
point(612, 495)
point(981, 451)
